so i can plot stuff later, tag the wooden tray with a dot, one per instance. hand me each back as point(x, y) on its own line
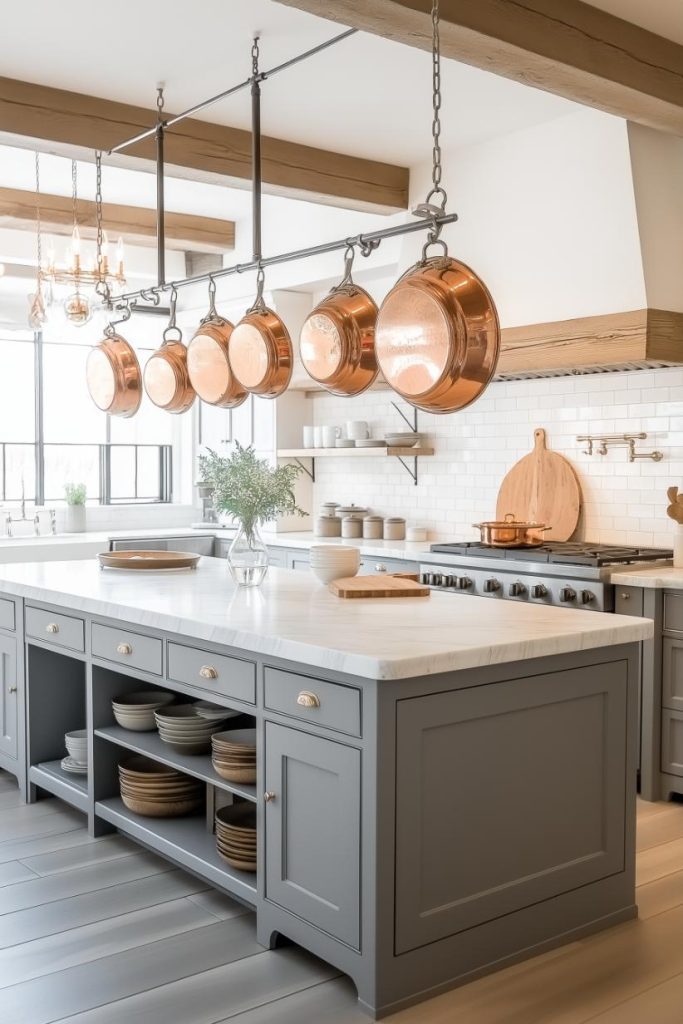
point(148, 560)
point(399, 585)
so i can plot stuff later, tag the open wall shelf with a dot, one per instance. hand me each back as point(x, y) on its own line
point(297, 454)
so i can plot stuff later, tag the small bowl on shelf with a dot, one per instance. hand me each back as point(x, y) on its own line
point(403, 440)
point(135, 711)
point(76, 743)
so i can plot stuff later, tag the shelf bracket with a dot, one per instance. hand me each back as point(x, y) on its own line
point(413, 471)
point(309, 472)
point(412, 423)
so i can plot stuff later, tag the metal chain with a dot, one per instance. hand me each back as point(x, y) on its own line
point(102, 286)
point(160, 104)
point(74, 191)
point(436, 103)
point(254, 57)
point(39, 241)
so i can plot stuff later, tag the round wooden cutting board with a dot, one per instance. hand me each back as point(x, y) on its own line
point(542, 488)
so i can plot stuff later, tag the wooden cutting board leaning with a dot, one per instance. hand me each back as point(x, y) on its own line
point(542, 488)
point(399, 585)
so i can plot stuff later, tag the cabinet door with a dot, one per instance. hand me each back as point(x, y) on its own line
point(298, 559)
point(672, 742)
point(313, 830)
point(277, 556)
point(8, 696)
point(672, 674)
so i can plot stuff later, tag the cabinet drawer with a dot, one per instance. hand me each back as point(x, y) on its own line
point(628, 600)
point(7, 614)
point(117, 644)
point(62, 630)
point(330, 705)
point(673, 612)
point(230, 677)
point(672, 742)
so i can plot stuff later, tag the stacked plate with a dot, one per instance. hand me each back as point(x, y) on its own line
point(156, 791)
point(403, 440)
point(77, 746)
point(234, 754)
point(236, 835)
point(135, 711)
point(213, 712)
point(184, 730)
point(370, 442)
point(334, 561)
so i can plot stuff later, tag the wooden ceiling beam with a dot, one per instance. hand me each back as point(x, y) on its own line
point(199, 149)
point(135, 224)
point(565, 47)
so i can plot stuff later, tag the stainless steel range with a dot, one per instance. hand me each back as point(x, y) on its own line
point(570, 574)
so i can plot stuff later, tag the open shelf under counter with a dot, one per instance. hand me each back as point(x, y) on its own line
point(73, 789)
point(198, 765)
point(186, 841)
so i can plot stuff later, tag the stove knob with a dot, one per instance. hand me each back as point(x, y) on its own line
point(463, 582)
point(445, 580)
point(587, 596)
point(567, 594)
point(425, 578)
point(516, 589)
point(491, 585)
point(539, 590)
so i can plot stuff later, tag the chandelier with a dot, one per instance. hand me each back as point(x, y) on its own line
point(100, 276)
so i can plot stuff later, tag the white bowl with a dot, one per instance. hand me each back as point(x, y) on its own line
point(326, 574)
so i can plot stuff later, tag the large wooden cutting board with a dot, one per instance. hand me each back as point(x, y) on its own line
point(542, 488)
point(379, 586)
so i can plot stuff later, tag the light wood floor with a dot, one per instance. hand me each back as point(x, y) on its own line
point(97, 931)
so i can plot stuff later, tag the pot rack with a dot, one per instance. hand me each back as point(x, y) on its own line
point(428, 218)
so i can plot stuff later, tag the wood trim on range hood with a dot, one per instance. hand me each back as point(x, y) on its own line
point(635, 339)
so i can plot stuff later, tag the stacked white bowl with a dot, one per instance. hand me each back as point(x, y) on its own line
point(136, 710)
point(184, 730)
point(334, 561)
point(76, 743)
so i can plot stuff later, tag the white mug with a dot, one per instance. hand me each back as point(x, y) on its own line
point(357, 430)
point(330, 435)
point(309, 437)
point(317, 437)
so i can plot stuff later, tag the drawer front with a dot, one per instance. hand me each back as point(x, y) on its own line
point(672, 742)
point(329, 705)
point(7, 614)
point(672, 674)
point(299, 560)
point(673, 612)
point(125, 648)
point(628, 600)
point(371, 566)
point(58, 629)
point(230, 677)
point(277, 557)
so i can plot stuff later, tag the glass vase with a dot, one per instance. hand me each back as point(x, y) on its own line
point(248, 557)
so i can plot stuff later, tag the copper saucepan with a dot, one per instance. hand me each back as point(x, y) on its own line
point(261, 350)
point(438, 336)
point(167, 381)
point(337, 342)
point(208, 364)
point(113, 373)
point(508, 533)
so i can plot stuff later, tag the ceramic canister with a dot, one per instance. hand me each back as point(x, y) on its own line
point(352, 526)
point(373, 527)
point(328, 526)
point(394, 528)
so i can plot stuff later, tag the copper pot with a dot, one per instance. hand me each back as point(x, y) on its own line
point(261, 350)
point(113, 374)
point(208, 364)
point(167, 381)
point(508, 533)
point(337, 342)
point(438, 337)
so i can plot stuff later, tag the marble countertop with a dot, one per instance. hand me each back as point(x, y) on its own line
point(650, 576)
point(295, 617)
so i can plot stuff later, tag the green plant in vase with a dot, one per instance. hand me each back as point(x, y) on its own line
point(75, 496)
point(253, 493)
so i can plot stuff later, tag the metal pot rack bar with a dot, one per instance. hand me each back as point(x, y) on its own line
point(366, 242)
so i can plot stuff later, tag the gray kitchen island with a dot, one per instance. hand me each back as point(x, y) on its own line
point(443, 787)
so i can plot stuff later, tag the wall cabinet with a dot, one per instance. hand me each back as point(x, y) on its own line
point(312, 818)
point(9, 715)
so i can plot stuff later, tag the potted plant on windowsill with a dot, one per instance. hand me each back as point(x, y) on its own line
point(75, 507)
point(253, 493)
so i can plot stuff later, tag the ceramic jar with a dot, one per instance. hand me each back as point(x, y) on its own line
point(394, 528)
point(373, 527)
point(416, 533)
point(352, 526)
point(328, 526)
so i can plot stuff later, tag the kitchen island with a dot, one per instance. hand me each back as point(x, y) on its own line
point(443, 787)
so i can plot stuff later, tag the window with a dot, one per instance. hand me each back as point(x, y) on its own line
point(51, 433)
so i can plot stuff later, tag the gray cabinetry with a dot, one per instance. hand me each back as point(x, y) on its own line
point(672, 742)
point(325, 705)
point(9, 715)
point(672, 674)
point(312, 826)
point(192, 545)
point(298, 559)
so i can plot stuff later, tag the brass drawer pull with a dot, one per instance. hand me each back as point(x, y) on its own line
point(268, 796)
point(308, 699)
point(124, 649)
point(11, 689)
point(52, 627)
point(208, 672)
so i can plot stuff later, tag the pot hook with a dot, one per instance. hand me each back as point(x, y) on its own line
point(126, 312)
point(259, 305)
point(212, 316)
point(172, 326)
point(349, 254)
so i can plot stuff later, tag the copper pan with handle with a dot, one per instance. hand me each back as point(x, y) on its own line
point(337, 342)
point(261, 355)
point(167, 381)
point(438, 336)
point(208, 362)
point(113, 373)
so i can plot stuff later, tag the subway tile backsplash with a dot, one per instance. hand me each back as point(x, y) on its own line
point(622, 502)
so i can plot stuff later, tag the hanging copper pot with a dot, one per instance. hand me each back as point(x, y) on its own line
point(167, 381)
point(113, 373)
point(208, 364)
point(261, 350)
point(337, 342)
point(438, 337)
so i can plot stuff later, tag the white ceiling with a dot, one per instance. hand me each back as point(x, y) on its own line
point(367, 96)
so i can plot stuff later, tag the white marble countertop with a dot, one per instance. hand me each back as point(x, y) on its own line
point(651, 576)
point(293, 616)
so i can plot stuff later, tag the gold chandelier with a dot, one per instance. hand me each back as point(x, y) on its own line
point(101, 276)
